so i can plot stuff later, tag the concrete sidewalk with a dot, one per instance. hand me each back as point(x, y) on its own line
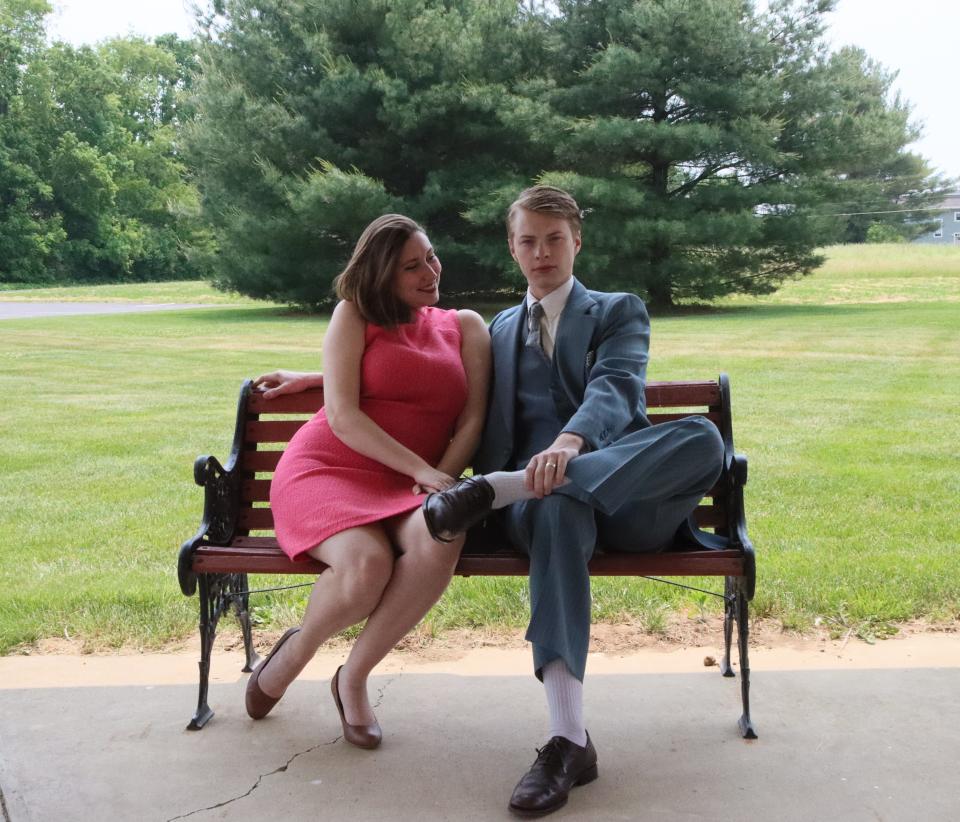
point(838, 741)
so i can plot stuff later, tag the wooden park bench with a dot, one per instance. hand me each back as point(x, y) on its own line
point(235, 537)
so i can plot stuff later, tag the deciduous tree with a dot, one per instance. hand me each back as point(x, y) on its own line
point(30, 229)
point(92, 185)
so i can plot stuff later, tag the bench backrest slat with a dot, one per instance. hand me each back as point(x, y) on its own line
point(261, 519)
point(282, 431)
point(269, 424)
point(306, 402)
point(258, 490)
point(272, 430)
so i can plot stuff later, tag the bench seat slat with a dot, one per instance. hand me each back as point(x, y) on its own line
point(248, 542)
point(262, 559)
point(681, 563)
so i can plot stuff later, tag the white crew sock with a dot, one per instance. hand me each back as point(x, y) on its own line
point(565, 702)
point(508, 487)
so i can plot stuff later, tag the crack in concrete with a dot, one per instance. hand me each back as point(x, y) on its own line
point(3, 807)
point(255, 785)
point(262, 776)
point(386, 685)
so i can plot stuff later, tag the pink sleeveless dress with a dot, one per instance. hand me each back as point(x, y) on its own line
point(413, 385)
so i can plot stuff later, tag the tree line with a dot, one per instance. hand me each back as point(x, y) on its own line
point(93, 182)
point(713, 146)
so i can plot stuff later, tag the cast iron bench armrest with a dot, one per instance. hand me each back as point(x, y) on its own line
point(221, 498)
point(221, 505)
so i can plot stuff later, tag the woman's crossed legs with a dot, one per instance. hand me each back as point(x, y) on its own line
point(366, 579)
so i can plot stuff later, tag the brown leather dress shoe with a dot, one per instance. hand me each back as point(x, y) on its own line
point(363, 736)
point(560, 766)
point(260, 704)
point(453, 511)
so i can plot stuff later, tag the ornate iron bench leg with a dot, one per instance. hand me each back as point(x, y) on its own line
point(217, 593)
point(242, 604)
point(208, 632)
point(743, 633)
point(729, 602)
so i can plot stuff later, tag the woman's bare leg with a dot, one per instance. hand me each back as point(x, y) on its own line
point(420, 575)
point(360, 562)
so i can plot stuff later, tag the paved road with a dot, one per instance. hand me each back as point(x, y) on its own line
point(10, 310)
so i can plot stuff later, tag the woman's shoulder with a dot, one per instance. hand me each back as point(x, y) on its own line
point(346, 310)
point(470, 321)
point(443, 317)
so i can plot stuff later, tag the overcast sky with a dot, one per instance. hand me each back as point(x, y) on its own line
point(917, 38)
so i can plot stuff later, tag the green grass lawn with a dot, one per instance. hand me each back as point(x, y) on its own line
point(856, 274)
point(844, 389)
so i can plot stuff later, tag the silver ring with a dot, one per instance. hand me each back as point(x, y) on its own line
point(551, 465)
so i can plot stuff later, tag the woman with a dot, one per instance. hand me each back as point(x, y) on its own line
point(405, 391)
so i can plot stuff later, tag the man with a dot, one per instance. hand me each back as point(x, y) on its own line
point(570, 457)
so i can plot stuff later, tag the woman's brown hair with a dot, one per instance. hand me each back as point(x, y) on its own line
point(367, 280)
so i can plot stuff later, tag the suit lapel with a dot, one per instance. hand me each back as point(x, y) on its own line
point(577, 324)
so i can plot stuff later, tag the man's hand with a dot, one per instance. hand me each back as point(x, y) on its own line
point(548, 469)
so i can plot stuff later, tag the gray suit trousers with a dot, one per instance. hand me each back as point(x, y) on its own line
point(632, 495)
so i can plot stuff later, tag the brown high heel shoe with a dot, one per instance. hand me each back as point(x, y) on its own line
point(363, 736)
point(260, 704)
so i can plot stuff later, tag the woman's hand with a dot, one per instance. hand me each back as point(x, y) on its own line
point(277, 383)
point(430, 480)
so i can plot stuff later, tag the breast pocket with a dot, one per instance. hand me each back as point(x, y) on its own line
point(588, 362)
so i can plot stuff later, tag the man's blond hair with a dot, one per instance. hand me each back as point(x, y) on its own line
point(546, 200)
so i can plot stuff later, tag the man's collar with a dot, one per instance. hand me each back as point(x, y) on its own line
point(554, 302)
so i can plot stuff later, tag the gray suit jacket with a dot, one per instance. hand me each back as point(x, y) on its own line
point(600, 360)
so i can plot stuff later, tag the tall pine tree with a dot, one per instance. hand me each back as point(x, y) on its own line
point(317, 117)
point(712, 145)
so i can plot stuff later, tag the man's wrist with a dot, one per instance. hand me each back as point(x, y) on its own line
point(568, 439)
